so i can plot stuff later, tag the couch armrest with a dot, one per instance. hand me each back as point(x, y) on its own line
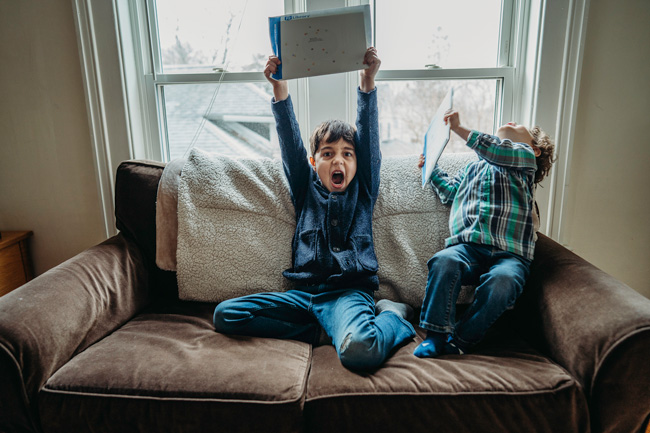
point(594, 326)
point(47, 321)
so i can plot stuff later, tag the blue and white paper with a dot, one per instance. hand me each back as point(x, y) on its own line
point(320, 42)
point(436, 137)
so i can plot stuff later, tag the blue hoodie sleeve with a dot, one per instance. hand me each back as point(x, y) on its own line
point(367, 146)
point(294, 156)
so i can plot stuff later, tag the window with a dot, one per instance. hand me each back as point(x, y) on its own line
point(431, 46)
point(207, 57)
point(533, 78)
point(236, 122)
point(406, 108)
point(451, 35)
point(195, 36)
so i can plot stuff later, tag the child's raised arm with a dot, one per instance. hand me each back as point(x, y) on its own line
point(453, 119)
point(367, 148)
point(368, 75)
point(280, 88)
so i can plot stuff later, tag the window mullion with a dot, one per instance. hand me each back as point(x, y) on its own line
point(507, 33)
point(219, 77)
point(507, 97)
point(157, 115)
point(294, 6)
point(139, 75)
point(443, 74)
point(154, 38)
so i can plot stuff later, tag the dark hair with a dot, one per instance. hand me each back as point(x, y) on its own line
point(546, 159)
point(331, 131)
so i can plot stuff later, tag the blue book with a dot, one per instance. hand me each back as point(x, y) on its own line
point(320, 42)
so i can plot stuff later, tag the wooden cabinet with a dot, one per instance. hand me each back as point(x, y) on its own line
point(15, 260)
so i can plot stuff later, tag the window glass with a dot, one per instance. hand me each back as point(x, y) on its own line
point(236, 120)
point(449, 34)
point(229, 119)
point(407, 107)
point(197, 36)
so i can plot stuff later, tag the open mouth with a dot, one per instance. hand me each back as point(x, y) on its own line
point(337, 179)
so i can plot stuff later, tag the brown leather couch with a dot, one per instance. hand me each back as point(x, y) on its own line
point(101, 343)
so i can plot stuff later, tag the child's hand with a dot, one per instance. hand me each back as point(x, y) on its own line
point(280, 88)
point(421, 161)
point(368, 75)
point(452, 118)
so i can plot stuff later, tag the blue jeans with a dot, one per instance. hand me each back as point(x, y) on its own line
point(500, 276)
point(362, 339)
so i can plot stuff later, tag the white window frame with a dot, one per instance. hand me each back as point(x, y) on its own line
point(540, 70)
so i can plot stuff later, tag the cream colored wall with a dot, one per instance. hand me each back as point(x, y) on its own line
point(47, 177)
point(610, 188)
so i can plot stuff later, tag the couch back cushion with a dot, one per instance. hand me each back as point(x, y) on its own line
point(410, 225)
point(235, 226)
point(136, 184)
point(236, 223)
point(135, 201)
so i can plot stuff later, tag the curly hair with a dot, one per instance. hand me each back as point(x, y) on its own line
point(547, 158)
point(332, 130)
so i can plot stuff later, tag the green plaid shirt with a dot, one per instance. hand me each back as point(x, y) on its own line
point(492, 198)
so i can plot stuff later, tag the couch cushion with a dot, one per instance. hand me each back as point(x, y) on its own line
point(235, 227)
point(167, 215)
point(502, 386)
point(410, 225)
point(239, 211)
point(168, 370)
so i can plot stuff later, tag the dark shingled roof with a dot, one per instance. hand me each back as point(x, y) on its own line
point(186, 107)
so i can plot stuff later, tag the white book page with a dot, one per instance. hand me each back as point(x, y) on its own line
point(436, 138)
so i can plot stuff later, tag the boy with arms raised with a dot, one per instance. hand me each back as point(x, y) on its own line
point(492, 234)
point(334, 262)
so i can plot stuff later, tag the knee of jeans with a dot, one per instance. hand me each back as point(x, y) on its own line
point(510, 282)
point(504, 290)
point(359, 353)
point(444, 259)
point(218, 319)
point(222, 318)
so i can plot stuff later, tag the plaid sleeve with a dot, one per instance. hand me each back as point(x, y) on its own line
point(504, 153)
point(446, 186)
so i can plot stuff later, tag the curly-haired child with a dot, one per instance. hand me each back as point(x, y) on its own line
point(492, 237)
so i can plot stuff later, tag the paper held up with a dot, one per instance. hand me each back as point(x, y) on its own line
point(320, 42)
point(436, 137)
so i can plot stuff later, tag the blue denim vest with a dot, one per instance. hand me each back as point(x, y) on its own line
point(333, 244)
